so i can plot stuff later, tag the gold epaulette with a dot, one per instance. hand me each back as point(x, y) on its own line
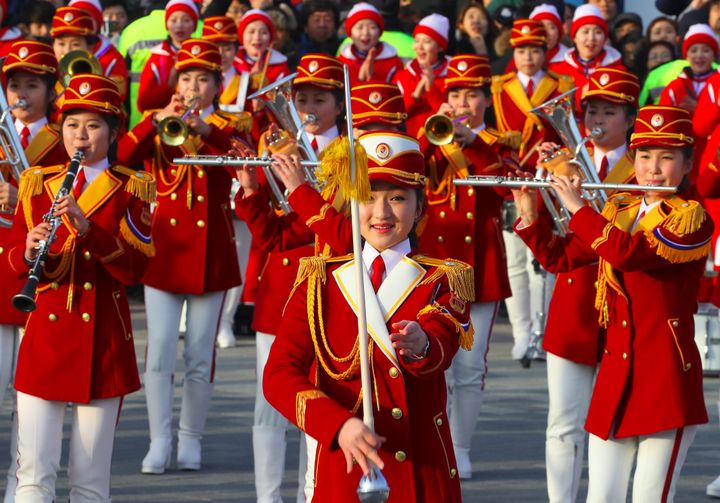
point(315, 267)
point(680, 238)
point(31, 181)
point(685, 216)
point(241, 121)
point(498, 81)
point(617, 201)
point(565, 82)
point(510, 139)
point(461, 278)
point(140, 184)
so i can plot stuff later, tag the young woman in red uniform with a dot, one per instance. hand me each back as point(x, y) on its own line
point(312, 375)
point(368, 58)
point(647, 401)
point(196, 261)
point(78, 345)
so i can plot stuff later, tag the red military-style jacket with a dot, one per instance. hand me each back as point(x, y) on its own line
point(387, 63)
point(579, 71)
point(45, 149)
point(650, 376)
point(512, 111)
point(78, 344)
point(312, 376)
point(419, 110)
point(155, 88)
point(568, 333)
point(112, 63)
point(192, 221)
point(464, 223)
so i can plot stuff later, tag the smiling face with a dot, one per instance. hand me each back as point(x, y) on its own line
point(34, 90)
point(662, 30)
point(365, 34)
point(256, 39)
point(589, 41)
point(180, 27)
point(660, 167)
point(388, 217)
point(426, 49)
point(89, 132)
point(701, 57)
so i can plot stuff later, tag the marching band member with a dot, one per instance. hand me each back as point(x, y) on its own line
point(376, 105)
point(222, 30)
point(590, 35)
point(158, 78)
point(315, 383)
point(514, 95)
point(573, 346)
point(548, 15)
point(78, 344)
point(465, 224)
point(368, 58)
point(419, 81)
point(196, 260)
point(648, 396)
point(318, 91)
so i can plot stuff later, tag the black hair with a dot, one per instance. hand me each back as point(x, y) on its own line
point(113, 123)
point(37, 12)
point(310, 7)
point(485, 89)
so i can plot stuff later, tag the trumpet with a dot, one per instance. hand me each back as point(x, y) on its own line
point(545, 183)
point(440, 129)
point(173, 130)
point(76, 62)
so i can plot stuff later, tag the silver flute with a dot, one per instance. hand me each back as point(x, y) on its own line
point(538, 183)
point(225, 160)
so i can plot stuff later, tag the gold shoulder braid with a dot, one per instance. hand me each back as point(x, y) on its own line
point(241, 122)
point(685, 218)
point(31, 184)
point(140, 184)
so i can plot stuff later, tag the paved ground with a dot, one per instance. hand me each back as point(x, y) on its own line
point(507, 448)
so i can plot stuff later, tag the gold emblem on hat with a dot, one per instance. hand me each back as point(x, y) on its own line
point(375, 97)
point(68, 17)
point(462, 66)
point(657, 120)
point(382, 151)
point(218, 25)
point(84, 88)
point(23, 52)
point(313, 66)
point(195, 50)
point(525, 30)
point(604, 79)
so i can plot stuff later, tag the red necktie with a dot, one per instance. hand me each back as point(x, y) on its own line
point(530, 88)
point(376, 272)
point(79, 184)
point(602, 174)
point(314, 144)
point(25, 137)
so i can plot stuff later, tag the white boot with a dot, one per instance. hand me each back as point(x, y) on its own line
point(466, 406)
point(159, 399)
point(12, 469)
point(194, 411)
point(269, 445)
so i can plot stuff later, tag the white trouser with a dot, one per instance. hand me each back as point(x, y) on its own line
point(232, 299)
point(569, 389)
point(269, 432)
point(9, 337)
point(466, 376)
point(658, 459)
point(40, 431)
point(163, 320)
point(527, 293)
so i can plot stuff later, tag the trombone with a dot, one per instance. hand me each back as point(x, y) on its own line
point(440, 129)
point(173, 130)
point(76, 62)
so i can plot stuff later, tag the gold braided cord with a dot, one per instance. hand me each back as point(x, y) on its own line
point(662, 136)
point(605, 92)
point(399, 174)
point(99, 104)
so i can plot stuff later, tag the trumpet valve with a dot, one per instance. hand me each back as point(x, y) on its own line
point(281, 143)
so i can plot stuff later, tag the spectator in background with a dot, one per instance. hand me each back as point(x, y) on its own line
point(285, 25)
point(663, 28)
point(503, 19)
point(115, 19)
point(608, 8)
point(475, 31)
point(659, 52)
point(236, 10)
point(629, 46)
point(625, 23)
point(320, 20)
point(36, 21)
point(548, 15)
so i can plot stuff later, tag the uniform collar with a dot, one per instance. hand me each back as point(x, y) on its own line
point(525, 79)
point(391, 256)
point(205, 112)
point(479, 129)
point(34, 127)
point(613, 156)
point(324, 138)
point(92, 171)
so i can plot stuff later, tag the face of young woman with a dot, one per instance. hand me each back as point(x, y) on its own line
point(200, 83)
point(552, 34)
point(426, 49)
point(529, 59)
point(256, 39)
point(663, 30)
point(34, 90)
point(660, 167)
point(180, 27)
point(228, 50)
point(589, 41)
point(468, 101)
point(89, 132)
point(475, 23)
point(609, 117)
point(388, 217)
point(63, 45)
point(700, 57)
point(319, 102)
point(365, 34)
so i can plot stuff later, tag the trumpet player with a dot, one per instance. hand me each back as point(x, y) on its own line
point(647, 401)
point(196, 260)
point(78, 345)
point(465, 224)
point(573, 346)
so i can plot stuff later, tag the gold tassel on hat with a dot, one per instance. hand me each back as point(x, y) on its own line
point(334, 171)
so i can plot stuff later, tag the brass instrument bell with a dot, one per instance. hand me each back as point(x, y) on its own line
point(76, 62)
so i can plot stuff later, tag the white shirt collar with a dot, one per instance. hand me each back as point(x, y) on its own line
point(391, 256)
point(524, 79)
point(644, 210)
point(207, 111)
point(324, 138)
point(613, 156)
point(34, 127)
point(92, 171)
point(480, 128)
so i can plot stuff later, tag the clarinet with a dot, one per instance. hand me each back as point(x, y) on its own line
point(25, 300)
